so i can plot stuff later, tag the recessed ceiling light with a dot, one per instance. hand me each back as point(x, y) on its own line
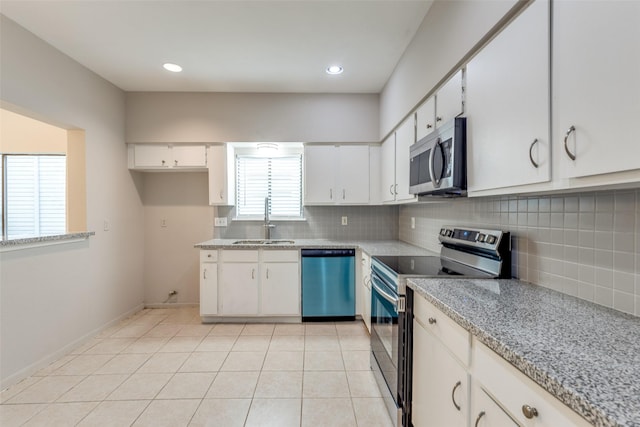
point(335, 69)
point(175, 68)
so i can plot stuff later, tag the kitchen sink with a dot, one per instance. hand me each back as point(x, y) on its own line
point(263, 242)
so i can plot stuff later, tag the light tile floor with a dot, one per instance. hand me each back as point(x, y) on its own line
point(162, 367)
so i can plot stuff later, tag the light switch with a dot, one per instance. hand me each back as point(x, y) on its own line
point(344, 220)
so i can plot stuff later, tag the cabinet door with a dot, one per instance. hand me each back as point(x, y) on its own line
point(221, 167)
point(320, 174)
point(388, 169)
point(189, 156)
point(426, 118)
point(486, 412)
point(440, 383)
point(146, 156)
point(239, 288)
point(449, 100)
point(504, 115)
point(280, 289)
point(208, 289)
point(353, 179)
point(405, 137)
point(596, 64)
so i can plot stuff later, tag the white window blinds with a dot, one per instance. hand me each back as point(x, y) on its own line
point(35, 189)
point(278, 178)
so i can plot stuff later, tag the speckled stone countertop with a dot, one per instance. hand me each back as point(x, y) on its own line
point(586, 355)
point(30, 241)
point(372, 247)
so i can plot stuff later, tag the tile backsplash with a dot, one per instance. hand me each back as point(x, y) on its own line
point(583, 244)
point(321, 222)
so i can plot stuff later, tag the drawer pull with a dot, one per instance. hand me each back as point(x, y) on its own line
point(566, 137)
point(453, 394)
point(209, 256)
point(432, 320)
point(529, 411)
point(480, 415)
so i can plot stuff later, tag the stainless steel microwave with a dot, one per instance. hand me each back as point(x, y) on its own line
point(438, 163)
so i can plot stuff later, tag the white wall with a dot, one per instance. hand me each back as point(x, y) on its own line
point(53, 297)
point(170, 260)
point(224, 117)
point(448, 33)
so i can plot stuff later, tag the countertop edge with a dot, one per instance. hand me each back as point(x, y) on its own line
point(577, 403)
point(27, 242)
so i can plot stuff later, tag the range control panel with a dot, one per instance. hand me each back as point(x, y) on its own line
point(489, 239)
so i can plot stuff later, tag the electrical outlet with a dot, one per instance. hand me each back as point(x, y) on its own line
point(344, 220)
point(106, 225)
point(163, 223)
point(413, 222)
point(221, 221)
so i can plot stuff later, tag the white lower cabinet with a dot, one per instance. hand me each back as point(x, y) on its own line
point(249, 283)
point(501, 395)
point(486, 412)
point(440, 383)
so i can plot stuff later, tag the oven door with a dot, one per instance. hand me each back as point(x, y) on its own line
point(384, 342)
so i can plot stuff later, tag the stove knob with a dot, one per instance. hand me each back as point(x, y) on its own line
point(443, 231)
point(480, 237)
point(449, 233)
point(491, 239)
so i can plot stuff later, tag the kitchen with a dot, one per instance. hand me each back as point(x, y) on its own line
point(580, 240)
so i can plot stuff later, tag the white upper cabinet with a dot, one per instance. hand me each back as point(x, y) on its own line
point(441, 107)
point(394, 164)
point(336, 174)
point(596, 86)
point(507, 105)
point(449, 100)
point(426, 118)
point(159, 157)
point(221, 167)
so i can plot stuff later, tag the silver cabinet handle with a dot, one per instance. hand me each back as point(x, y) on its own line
point(432, 320)
point(438, 119)
point(253, 273)
point(331, 194)
point(391, 189)
point(529, 411)
point(480, 415)
point(566, 148)
point(204, 274)
point(429, 125)
point(453, 394)
point(395, 190)
point(343, 194)
point(267, 273)
point(533, 162)
point(163, 162)
point(209, 256)
point(175, 163)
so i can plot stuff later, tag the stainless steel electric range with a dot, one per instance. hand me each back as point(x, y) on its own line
point(465, 253)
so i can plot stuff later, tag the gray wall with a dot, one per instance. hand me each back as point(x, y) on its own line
point(586, 244)
point(53, 297)
point(248, 117)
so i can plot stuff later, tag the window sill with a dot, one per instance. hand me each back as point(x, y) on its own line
point(40, 241)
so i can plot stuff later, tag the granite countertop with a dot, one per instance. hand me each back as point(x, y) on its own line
point(35, 240)
point(586, 355)
point(372, 247)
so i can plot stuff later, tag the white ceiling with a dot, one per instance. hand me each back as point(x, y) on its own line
point(229, 46)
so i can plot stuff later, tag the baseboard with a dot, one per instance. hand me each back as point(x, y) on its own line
point(171, 305)
point(47, 360)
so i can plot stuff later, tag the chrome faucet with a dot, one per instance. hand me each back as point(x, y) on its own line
point(267, 222)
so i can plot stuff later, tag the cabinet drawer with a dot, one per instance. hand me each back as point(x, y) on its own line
point(513, 389)
point(454, 336)
point(275, 255)
point(209, 255)
point(239, 256)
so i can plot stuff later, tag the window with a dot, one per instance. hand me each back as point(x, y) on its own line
point(278, 178)
point(34, 189)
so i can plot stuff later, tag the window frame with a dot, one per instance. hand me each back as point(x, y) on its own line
point(298, 153)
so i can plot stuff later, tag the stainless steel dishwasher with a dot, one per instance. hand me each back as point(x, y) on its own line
point(328, 284)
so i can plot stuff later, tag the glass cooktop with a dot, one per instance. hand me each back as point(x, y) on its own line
point(414, 265)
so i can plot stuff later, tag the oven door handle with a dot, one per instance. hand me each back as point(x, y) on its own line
point(393, 300)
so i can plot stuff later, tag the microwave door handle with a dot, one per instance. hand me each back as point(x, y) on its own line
point(432, 162)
